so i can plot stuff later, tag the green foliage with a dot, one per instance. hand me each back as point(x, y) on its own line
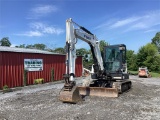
point(60, 50)
point(131, 60)
point(39, 81)
point(40, 46)
point(148, 56)
point(52, 74)
point(102, 44)
point(141, 56)
point(156, 40)
point(133, 72)
point(82, 52)
point(35, 46)
point(5, 42)
point(24, 77)
point(21, 46)
point(5, 87)
point(153, 74)
point(30, 46)
point(85, 53)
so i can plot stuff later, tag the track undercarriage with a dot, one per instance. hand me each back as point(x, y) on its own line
point(101, 87)
point(106, 88)
point(121, 85)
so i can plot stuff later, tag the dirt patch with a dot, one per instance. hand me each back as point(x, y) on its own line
point(141, 102)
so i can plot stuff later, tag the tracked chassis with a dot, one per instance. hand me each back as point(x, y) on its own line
point(104, 88)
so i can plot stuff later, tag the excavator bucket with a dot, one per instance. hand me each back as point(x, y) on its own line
point(98, 91)
point(71, 96)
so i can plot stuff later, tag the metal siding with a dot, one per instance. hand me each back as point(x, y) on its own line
point(12, 67)
point(0, 69)
point(79, 66)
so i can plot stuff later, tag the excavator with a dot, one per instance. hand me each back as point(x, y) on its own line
point(108, 76)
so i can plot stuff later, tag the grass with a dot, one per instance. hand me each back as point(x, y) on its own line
point(153, 74)
point(133, 72)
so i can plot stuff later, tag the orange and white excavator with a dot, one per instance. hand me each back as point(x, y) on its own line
point(109, 75)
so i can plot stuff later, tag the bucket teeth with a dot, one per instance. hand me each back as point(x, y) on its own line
point(71, 96)
point(98, 91)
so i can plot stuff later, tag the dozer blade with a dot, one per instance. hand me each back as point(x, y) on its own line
point(72, 96)
point(98, 91)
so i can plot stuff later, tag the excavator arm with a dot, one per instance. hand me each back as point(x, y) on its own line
point(72, 34)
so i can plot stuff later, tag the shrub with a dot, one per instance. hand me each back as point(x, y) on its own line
point(52, 74)
point(39, 81)
point(24, 77)
point(5, 87)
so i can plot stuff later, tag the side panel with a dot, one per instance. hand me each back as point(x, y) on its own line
point(79, 66)
point(0, 69)
point(12, 68)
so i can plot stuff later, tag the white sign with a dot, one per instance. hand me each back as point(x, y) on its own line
point(33, 64)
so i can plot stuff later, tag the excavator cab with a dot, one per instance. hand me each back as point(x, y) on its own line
point(115, 62)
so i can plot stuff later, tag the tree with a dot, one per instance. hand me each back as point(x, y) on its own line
point(156, 40)
point(5, 42)
point(81, 51)
point(148, 56)
point(131, 60)
point(60, 50)
point(87, 60)
point(40, 46)
point(35, 46)
point(30, 46)
point(102, 44)
point(87, 55)
point(21, 46)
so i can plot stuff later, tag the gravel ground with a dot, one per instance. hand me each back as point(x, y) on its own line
point(41, 102)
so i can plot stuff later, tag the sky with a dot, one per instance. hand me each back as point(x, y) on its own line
point(130, 22)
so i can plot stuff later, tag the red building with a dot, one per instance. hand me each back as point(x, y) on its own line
point(39, 64)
